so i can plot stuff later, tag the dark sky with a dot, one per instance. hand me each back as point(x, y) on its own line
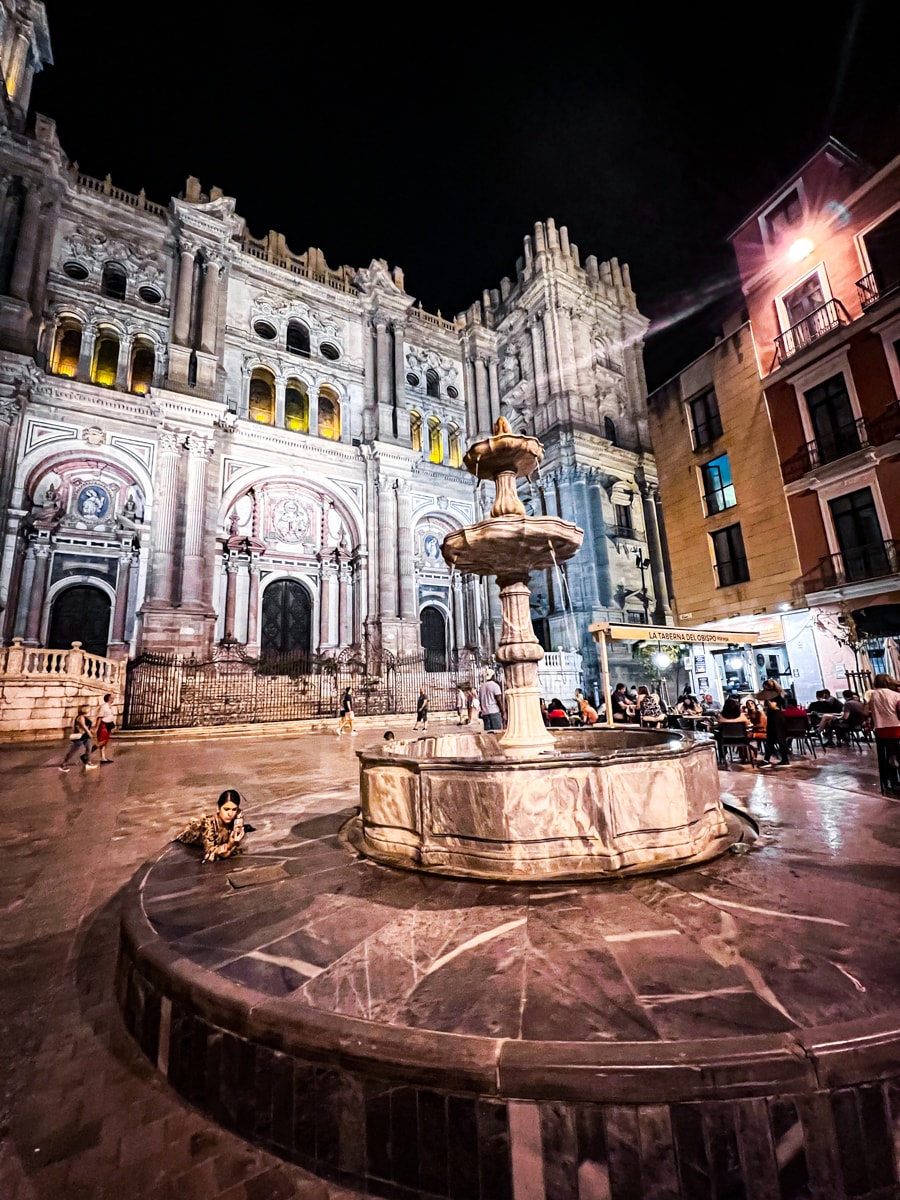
point(435, 136)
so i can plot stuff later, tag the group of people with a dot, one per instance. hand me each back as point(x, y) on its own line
point(88, 734)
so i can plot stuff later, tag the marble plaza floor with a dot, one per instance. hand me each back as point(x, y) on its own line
point(794, 937)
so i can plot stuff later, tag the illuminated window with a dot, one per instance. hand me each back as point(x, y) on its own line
point(262, 397)
point(329, 415)
point(296, 407)
point(804, 300)
point(432, 383)
point(435, 441)
point(298, 338)
point(143, 361)
point(113, 281)
point(455, 446)
point(415, 430)
point(718, 490)
point(66, 349)
point(106, 359)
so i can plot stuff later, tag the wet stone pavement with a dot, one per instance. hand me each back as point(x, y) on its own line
point(799, 932)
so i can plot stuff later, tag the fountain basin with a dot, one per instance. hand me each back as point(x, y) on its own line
point(605, 802)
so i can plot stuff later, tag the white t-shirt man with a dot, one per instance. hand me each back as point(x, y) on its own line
point(490, 700)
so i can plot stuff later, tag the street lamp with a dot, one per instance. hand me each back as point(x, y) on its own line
point(642, 565)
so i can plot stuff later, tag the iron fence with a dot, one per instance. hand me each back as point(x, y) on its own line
point(171, 691)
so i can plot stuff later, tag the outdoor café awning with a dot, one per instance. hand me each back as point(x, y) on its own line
point(670, 633)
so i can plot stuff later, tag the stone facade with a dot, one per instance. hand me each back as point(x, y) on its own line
point(206, 435)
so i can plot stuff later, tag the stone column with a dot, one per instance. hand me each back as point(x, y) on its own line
point(184, 295)
point(17, 63)
point(482, 398)
point(493, 390)
point(253, 601)
point(567, 347)
point(551, 349)
point(662, 608)
point(86, 353)
point(471, 401)
point(383, 375)
point(192, 571)
point(408, 606)
point(387, 548)
point(209, 325)
point(123, 592)
point(457, 597)
point(231, 573)
point(279, 403)
point(399, 378)
point(25, 581)
point(23, 265)
point(324, 604)
point(159, 582)
point(370, 399)
point(345, 614)
point(38, 591)
point(540, 362)
point(123, 367)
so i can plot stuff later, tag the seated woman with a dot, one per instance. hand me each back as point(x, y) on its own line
point(556, 713)
point(221, 836)
point(650, 710)
point(757, 719)
point(589, 714)
point(734, 719)
point(689, 706)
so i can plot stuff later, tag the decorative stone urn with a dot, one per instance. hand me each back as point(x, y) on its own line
point(510, 545)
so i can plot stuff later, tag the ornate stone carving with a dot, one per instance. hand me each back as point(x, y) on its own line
point(93, 435)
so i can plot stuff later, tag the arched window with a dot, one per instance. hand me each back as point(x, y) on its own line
point(435, 441)
point(415, 430)
point(432, 383)
point(298, 338)
point(262, 397)
point(296, 407)
point(106, 358)
point(609, 430)
point(329, 415)
point(113, 281)
point(143, 361)
point(66, 348)
point(455, 446)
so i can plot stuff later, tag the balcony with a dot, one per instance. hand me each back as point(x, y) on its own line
point(873, 561)
point(870, 291)
point(622, 533)
point(848, 439)
point(828, 316)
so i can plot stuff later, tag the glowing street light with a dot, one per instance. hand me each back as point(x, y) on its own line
point(800, 249)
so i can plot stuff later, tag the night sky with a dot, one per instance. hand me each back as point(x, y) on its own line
point(434, 137)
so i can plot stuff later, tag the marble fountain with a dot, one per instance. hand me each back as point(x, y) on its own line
point(534, 803)
point(568, 992)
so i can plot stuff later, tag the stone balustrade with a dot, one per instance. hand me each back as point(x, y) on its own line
point(41, 690)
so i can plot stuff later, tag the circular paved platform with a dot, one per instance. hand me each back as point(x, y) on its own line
point(730, 1029)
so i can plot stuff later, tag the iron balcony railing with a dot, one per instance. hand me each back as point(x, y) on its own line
point(870, 291)
point(731, 572)
point(828, 316)
point(846, 439)
point(872, 561)
point(625, 532)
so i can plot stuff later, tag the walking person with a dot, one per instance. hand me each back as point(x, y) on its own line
point(490, 701)
point(81, 741)
point(884, 706)
point(422, 710)
point(106, 723)
point(347, 714)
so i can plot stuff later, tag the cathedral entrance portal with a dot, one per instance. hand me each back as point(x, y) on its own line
point(286, 619)
point(433, 632)
point(80, 614)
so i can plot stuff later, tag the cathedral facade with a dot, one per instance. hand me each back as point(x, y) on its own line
point(207, 436)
